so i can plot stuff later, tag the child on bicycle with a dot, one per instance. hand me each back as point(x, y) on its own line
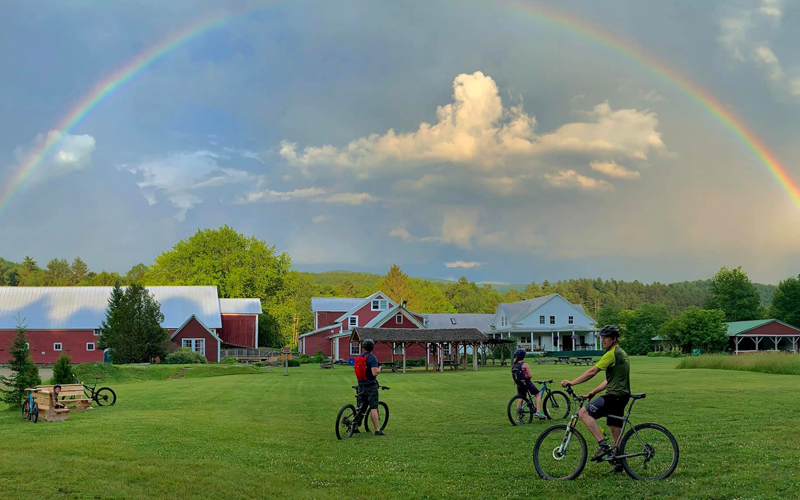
point(521, 373)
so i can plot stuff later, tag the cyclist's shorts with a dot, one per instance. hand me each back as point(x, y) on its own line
point(608, 404)
point(368, 394)
point(524, 389)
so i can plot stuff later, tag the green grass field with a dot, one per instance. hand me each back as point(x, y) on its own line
point(765, 362)
point(264, 435)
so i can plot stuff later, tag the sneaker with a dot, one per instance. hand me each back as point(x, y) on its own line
point(379, 433)
point(602, 451)
point(540, 416)
point(616, 466)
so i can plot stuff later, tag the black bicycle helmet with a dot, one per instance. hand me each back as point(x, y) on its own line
point(520, 354)
point(368, 344)
point(609, 331)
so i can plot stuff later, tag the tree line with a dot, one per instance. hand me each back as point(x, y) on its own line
point(241, 266)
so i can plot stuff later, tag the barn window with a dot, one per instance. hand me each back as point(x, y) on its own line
point(379, 305)
point(398, 320)
point(90, 346)
point(97, 333)
point(196, 345)
point(57, 346)
point(355, 348)
point(352, 321)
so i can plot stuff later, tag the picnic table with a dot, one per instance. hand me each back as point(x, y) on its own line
point(562, 359)
point(584, 359)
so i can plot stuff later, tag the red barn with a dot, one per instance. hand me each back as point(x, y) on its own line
point(67, 320)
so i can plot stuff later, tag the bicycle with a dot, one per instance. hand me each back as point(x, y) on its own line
point(647, 445)
point(346, 419)
point(555, 405)
point(30, 408)
point(103, 396)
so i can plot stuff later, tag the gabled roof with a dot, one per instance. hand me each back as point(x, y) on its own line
point(84, 307)
point(517, 311)
point(334, 304)
point(240, 306)
point(364, 302)
point(481, 322)
point(319, 330)
point(738, 327)
point(201, 324)
point(390, 313)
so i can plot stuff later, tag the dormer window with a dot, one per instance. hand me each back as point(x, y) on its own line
point(352, 321)
point(380, 305)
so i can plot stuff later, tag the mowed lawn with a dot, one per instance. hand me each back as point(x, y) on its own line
point(265, 435)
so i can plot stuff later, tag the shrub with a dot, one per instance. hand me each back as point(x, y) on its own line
point(319, 356)
point(62, 371)
point(294, 362)
point(24, 373)
point(259, 364)
point(229, 359)
point(184, 356)
point(305, 359)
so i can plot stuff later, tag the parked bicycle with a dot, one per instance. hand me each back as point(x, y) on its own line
point(647, 451)
point(346, 419)
point(103, 396)
point(30, 408)
point(555, 405)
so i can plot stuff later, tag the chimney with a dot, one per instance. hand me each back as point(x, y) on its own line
point(404, 304)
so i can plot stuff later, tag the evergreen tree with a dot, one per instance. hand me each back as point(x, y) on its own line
point(132, 328)
point(79, 270)
point(30, 273)
point(58, 273)
point(112, 328)
point(62, 370)
point(396, 284)
point(24, 373)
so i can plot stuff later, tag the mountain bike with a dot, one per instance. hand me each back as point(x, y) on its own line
point(348, 417)
point(103, 396)
point(647, 451)
point(555, 405)
point(30, 408)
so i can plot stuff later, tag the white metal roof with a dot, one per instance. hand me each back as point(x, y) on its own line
point(334, 304)
point(240, 306)
point(84, 307)
point(482, 322)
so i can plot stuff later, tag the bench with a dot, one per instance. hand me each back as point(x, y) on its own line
point(71, 394)
point(47, 407)
point(561, 359)
point(584, 359)
point(326, 365)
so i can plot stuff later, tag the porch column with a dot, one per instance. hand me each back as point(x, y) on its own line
point(736, 341)
point(775, 343)
point(794, 343)
point(757, 340)
point(464, 361)
point(404, 357)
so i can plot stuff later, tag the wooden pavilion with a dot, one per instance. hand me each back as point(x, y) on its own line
point(457, 339)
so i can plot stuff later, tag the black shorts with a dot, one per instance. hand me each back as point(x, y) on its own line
point(608, 404)
point(368, 394)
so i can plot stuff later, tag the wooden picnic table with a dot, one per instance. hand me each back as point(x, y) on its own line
point(562, 359)
point(584, 359)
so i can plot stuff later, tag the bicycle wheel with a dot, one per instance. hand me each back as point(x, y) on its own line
point(35, 413)
point(556, 405)
point(105, 397)
point(26, 410)
point(383, 416)
point(344, 421)
point(558, 455)
point(523, 415)
point(658, 449)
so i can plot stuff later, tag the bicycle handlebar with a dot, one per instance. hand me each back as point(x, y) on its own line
point(577, 398)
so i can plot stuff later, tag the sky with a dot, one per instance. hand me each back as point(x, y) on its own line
point(453, 138)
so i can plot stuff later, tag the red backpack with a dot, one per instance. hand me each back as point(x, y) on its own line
point(360, 366)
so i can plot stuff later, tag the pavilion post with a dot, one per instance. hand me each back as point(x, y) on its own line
point(775, 343)
point(757, 340)
point(427, 355)
point(794, 343)
point(736, 341)
point(475, 357)
point(440, 352)
point(404, 357)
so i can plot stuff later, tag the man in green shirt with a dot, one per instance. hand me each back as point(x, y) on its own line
point(618, 391)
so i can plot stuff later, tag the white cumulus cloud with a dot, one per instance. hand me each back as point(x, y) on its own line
point(311, 194)
point(69, 153)
point(611, 169)
point(572, 179)
point(462, 264)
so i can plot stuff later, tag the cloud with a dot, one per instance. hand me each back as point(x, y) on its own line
point(572, 179)
point(611, 169)
point(71, 153)
point(180, 178)
point(476, 129)
point(795, 87)
point(403, 234)
point(245, 153)
point(766, 59)
point(742, 35)
point(651, 96)
point(312, 194)
point(317, 219)
point(462, 264)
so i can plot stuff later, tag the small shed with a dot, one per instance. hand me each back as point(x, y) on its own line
point(447, 343)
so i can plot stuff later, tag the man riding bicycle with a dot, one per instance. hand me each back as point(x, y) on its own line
point(367, 370)
point(618, 391)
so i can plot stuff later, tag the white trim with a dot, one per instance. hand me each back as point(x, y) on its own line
point(193, 345)
point(366, 301)
point(350, 323)
point(398, 316)
point(358, 346)
point(256, 346)
point(384, 300)
point(96, 332)
point(381, 319)
point(94, 346)
point(571, 320)
point(320, 330)
point(201, 324)
point(60, 346)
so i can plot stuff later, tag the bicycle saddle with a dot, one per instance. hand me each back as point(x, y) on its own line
point(638, 396)
point(543, 381)
point(354, 387)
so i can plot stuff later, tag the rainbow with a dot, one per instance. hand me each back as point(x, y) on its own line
point(540, 12)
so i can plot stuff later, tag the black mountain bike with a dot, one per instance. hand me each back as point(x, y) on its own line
point(103, 396)
point(647, 451)
point(555, 405)
point(346, 419)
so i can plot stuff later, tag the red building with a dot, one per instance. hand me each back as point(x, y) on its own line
point(334, 317)
point(67, 320)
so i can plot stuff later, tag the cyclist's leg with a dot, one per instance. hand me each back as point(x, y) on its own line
point(535, 392)
point(591, 423)
point(371, 400)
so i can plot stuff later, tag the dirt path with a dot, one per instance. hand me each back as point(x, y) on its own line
point(180, 375)
point(44, 373)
